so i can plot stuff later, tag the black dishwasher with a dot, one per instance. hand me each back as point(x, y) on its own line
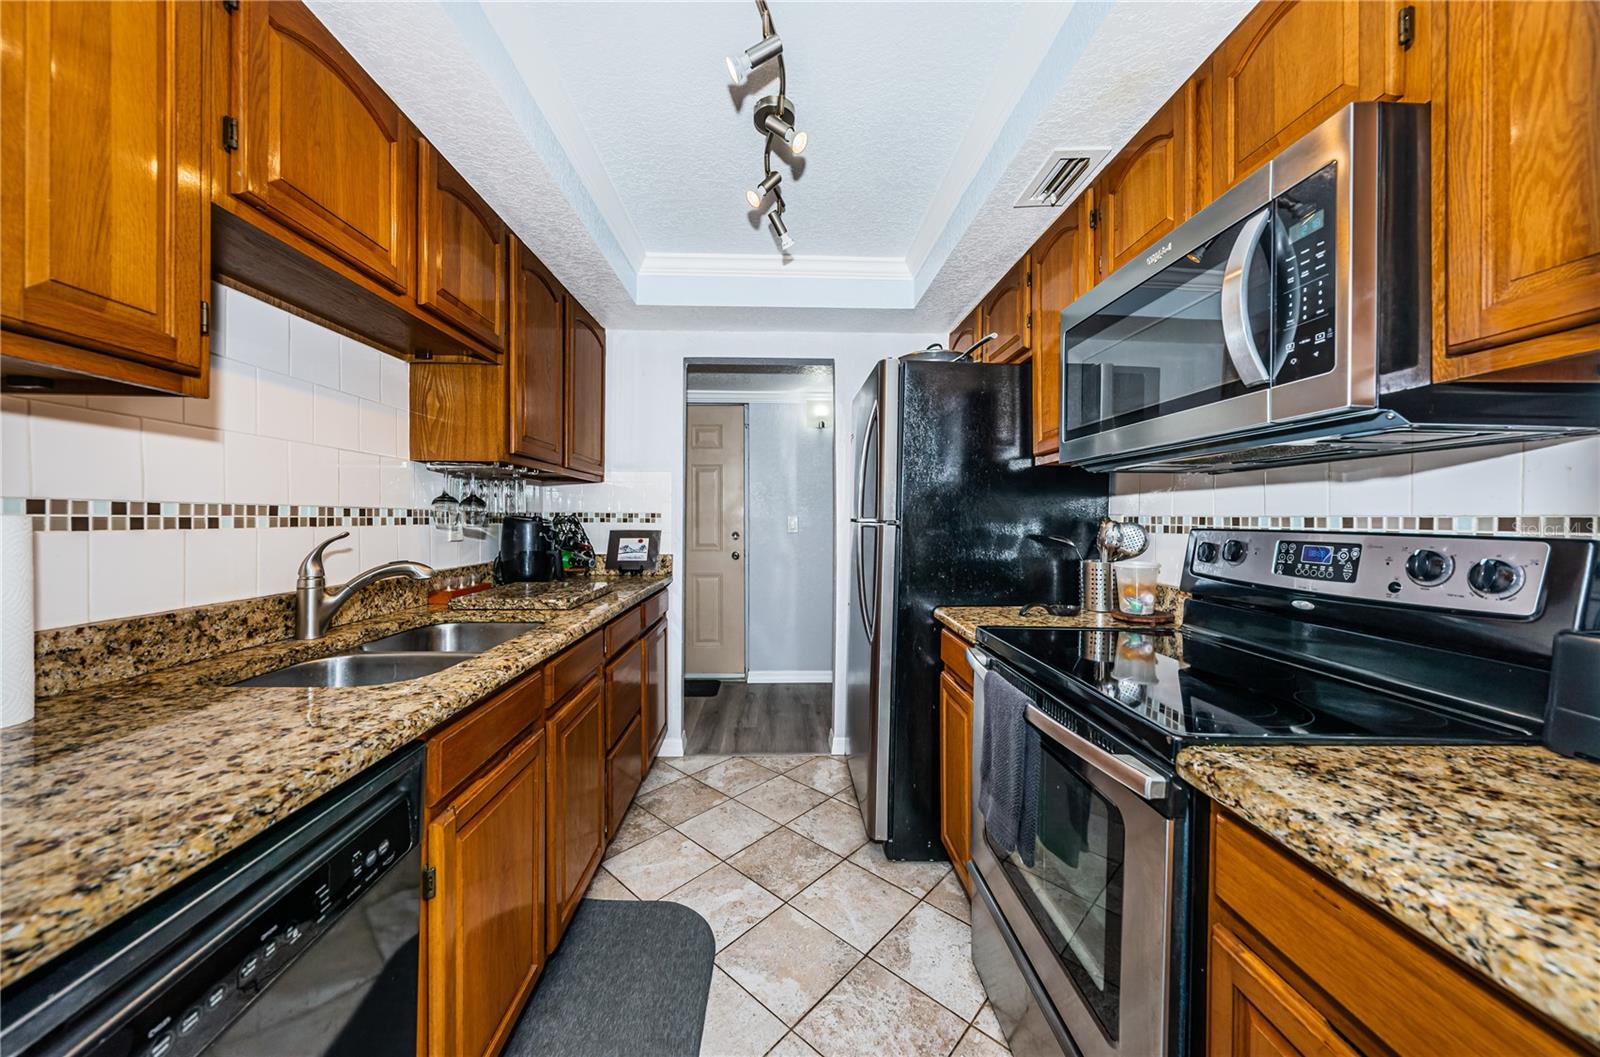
point(302, 943)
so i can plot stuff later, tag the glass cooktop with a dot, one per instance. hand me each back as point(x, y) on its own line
point(1219, 692)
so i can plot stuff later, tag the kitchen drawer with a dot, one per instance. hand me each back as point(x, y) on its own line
point(623, 630)
point(624, 690)
point(655, 607)
point(576, 666)
point(624, 772)
point(466, 745)
point(953, 652)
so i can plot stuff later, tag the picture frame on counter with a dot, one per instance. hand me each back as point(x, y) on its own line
point(633, 550)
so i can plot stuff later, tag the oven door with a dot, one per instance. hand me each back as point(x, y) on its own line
point(1088, 899)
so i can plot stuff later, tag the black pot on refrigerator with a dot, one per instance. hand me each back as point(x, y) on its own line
point(528, 551)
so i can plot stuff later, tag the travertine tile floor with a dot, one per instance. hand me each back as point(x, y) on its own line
point(824, 947)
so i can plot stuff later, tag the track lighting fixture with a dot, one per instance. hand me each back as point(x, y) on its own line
point(781, 230)
point(740, 65)
point(774, 119)
point(758, 194)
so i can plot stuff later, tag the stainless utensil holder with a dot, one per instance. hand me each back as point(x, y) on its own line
point(1099, 587)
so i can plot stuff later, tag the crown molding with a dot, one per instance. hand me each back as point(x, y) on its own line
point(770, 280)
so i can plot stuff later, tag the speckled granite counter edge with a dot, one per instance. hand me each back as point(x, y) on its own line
point(113, 795)
point(1491, 853)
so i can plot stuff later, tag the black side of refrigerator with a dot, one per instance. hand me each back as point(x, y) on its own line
point(969, 497)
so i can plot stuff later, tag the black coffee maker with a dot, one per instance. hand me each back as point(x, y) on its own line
point(528, 551)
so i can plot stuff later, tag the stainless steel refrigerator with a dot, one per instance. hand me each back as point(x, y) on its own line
point(946, 497)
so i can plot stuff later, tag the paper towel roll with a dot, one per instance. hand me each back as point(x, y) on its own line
point(16, 620)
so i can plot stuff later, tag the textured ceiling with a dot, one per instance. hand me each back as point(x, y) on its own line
point(760, 378)
point(608, 137)
point(884, 91)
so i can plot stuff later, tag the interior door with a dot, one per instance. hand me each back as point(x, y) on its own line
point(714, 577)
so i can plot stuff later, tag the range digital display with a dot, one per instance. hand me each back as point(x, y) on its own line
point(1336, 562)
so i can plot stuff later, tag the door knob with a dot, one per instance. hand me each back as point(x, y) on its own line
point(735, 533)
point(735, 556)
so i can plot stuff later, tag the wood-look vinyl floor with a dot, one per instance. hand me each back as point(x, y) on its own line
point(760, 717)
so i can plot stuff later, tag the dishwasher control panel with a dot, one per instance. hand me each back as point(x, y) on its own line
point(198, 1010)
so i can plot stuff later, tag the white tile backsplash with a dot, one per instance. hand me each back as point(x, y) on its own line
point(1470, 481)
point(1561, 477)
point(79, 453)
point(132, 572)
point(297, 414)
point(1380, 485)
point(314, 353)
point(182, 463)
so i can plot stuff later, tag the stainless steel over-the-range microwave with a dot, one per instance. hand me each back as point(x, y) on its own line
point(1289, 321)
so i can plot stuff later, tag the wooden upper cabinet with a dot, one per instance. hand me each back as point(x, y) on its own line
point(1522, 184)
point(538, 361)
point(463, 252)
point(321, 149)
point(1007, 312)
point(1063, 271)
point(578, 805)
point(1149, 188)
point(486, 922)
point(968, 331)
point(586, 392)
point(106, 238)
point(1292, 64)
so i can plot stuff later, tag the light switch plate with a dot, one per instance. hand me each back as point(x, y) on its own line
point(794, 523)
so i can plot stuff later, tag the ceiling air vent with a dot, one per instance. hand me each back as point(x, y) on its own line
point(1062, 177)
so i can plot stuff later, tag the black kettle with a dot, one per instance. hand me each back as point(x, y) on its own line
point(527, 551)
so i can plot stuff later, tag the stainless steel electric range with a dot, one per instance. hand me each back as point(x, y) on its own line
point(1085, 837)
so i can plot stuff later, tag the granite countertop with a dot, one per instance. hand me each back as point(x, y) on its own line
point(966, 620)
point(113, 794)
point(1492, 852)
point(561, 595)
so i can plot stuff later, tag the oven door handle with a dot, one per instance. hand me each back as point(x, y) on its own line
point(1236, 335)
point(1124, 770)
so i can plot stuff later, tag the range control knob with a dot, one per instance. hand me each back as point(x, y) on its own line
point(1206, 552)
point(1233, 551)
point(1429, 567)
point(1494, 577)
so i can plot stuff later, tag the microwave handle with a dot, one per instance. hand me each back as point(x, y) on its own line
point(1236, 336)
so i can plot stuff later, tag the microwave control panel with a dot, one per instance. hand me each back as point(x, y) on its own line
point(1305, 231)
point(1474, 574)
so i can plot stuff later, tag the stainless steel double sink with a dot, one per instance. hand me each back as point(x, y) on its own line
point(398, 657)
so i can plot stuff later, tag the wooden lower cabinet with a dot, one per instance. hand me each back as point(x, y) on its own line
point(485, 925)
point(654, 727)
point(577, 816)
point(1299, 965)
point(955, 774)
point(624, 772)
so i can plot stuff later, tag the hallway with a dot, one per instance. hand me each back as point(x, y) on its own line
point(759, 717)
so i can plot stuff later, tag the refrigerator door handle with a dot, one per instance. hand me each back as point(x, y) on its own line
point(861, 467)
point(861, 580)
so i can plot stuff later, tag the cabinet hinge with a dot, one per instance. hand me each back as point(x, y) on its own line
point(230, 133)
point(1407, 30)
point(1029, 276)
point(205, 317)
point(1094, 218)
point(430, 882)
point(230, 6)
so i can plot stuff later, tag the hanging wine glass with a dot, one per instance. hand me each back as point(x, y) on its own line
point(474, 511)
point(445, 509)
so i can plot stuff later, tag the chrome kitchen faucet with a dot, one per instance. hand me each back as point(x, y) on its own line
point(315, 604)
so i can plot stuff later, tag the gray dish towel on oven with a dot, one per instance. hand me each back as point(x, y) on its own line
point(1009, 771)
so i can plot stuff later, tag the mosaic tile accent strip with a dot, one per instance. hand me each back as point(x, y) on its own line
point(121, 515)
point(1483, 525)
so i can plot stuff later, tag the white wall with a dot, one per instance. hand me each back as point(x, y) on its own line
point(298, 416)
point(1519, 487)
point(644, 435)
point(790, 620)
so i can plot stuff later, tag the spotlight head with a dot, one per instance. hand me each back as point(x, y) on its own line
point(758, 194)
point(775, 117)
point(781, 230)
point(741, 64)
